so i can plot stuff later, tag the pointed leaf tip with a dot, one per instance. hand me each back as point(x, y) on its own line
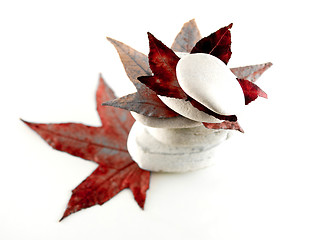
point(217, 44)
point(150, 35)
point(186, 39)
point(251, 72)
point(135, 63)
point(251, 91)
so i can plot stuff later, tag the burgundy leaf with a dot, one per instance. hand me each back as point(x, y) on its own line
point(251, 91)
point(146, 101)
point(217, 44)
point(163, 62)
point(202, 108)
point(224, 125)
point(252, 72)
point(107, 146)
point(187, 37)
point(150, 106)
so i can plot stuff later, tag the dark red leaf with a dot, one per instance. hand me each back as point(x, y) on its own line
point(104, 183)
point(146, 101)
point(252, 72)
point(163, 62)
point(224, 125)
point(217, 44)
point(202, 108)
point(105, 145)
point(187, 37)
point(251, 91)
point(150, 106)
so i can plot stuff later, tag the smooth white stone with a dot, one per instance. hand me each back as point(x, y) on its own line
point(172, 153)
point(174, 122)
point(196, 136)
point(209, 81)
point(186, 109)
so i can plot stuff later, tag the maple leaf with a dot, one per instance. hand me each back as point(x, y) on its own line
point(144, 101)
point(251, 91)
point(107, 146)
point(217, 44)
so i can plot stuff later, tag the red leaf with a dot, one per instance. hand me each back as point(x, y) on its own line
point(187, 37)
point(250, 90)
point(145, 101)
point(217, 44)
point(163, 62)
point(105, 145)
point(224, 125)
point(252, 72)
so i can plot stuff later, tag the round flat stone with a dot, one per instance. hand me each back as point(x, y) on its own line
point(174, 122)
point(186, 109)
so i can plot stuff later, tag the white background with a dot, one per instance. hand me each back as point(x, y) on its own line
point(266, 182)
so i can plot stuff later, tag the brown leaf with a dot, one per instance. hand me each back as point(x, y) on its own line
point(251, 91)
point(135, 63)
point(187, 37)
point(252, 72)
point(150, 106)
point(107, 146)
point(224, 125)
point(146, 101)
point(217, 44)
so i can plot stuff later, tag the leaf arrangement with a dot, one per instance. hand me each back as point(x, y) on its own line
point(107, 145)
point(160, 78)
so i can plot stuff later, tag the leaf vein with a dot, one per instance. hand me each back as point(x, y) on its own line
point(83, 141)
